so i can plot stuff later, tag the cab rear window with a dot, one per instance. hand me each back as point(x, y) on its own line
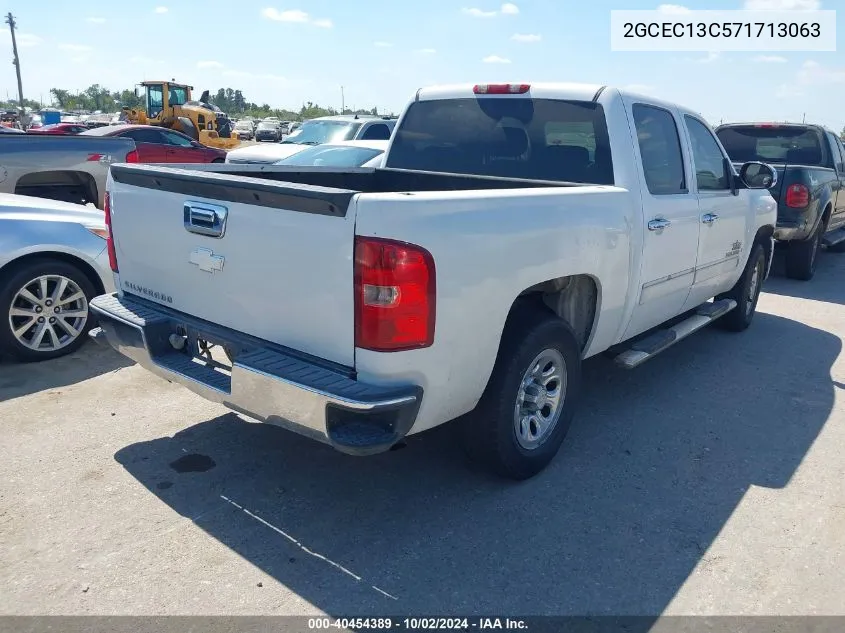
point(513, 137)
point(772, 144)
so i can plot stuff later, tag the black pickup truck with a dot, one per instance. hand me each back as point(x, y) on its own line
point(810, 187)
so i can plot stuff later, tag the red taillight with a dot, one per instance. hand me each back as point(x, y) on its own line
point(110, 239)
point(797, 196)
point(767, 125)
point(394, 295)
point(501, 89)
point(132, 157)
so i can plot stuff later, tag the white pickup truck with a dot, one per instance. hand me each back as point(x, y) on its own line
point(514, 231)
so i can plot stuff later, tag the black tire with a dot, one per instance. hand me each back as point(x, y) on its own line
point(20, 278)
point(490, 431)
point(746, 292)
point(802, 257)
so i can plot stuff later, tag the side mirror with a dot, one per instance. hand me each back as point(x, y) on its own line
point(757, 175)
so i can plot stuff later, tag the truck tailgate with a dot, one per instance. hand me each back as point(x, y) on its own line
point(273, 260)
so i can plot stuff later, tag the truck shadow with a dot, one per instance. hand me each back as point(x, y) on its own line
point(655, 464)
point(826, 284)
point(89, 361)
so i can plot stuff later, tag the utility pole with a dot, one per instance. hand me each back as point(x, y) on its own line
point(342, 101)
point(804, 118)
point(10, 20)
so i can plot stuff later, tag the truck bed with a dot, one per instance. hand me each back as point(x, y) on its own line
point(318, 189)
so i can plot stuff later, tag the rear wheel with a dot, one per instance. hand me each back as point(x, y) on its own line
point(801, 257)
point(45, 310)
point(527, 408)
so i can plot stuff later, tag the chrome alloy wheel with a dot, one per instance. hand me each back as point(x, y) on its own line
point(540, 399)
point(48, 313)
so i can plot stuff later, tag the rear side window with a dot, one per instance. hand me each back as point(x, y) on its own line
point(512, 137)
point(144, 136)
point(772, 144)
point(660, 149)
point(376, 132)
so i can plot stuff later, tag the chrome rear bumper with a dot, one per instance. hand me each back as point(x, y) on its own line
point(265, 382)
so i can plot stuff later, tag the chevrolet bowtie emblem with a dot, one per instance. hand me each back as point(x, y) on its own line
point(207, 260)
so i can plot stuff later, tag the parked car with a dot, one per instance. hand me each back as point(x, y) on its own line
point(68, 168)
point(268, 131)
point(59, 128)
point(10, 130)
point(53, 261)
point(810, 189)
point(331, 129)
point(340, 154)
point(245, 129)
point(427, 296)
point(159, 145)
point(348, 127)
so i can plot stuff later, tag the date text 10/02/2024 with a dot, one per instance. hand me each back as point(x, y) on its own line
point(417, 624)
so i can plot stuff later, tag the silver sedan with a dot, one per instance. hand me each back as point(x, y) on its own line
point(53, 261)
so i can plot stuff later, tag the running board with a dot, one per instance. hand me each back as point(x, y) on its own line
point(653, 344)
point(831, 239)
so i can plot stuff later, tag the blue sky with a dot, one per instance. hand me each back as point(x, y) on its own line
point(381, 51)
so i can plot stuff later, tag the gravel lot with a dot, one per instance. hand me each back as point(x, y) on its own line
point(710, 481)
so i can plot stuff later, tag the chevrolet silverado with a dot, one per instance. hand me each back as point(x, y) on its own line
point(513, 231)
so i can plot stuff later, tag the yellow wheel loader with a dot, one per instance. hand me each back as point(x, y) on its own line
point(169, 105)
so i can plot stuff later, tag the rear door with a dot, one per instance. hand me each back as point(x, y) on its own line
point(267, 259)
point(723, 215)
point(670, 243)
point(180, 149)
point(149, 144)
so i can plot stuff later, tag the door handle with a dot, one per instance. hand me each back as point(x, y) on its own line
point(203, 218)
point(658, 224)
point(709, 218)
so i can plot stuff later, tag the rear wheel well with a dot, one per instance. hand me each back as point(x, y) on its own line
point(826, 215)
point(63, 185)
point(573, 298)
point(84, 267)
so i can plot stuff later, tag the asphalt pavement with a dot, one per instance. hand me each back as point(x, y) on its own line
point(708, 481)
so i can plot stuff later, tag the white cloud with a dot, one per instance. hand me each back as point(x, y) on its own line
point(526, 37)
point(24, 40)
point(296, 16)
point(770, 59)
point(383, 44)
point(673, 9)
point(427, 51)
point(76, 48)
point(711, 57)
point(495, 59)
point(478, 13)
point(209, 64)
point(95, 20)
point(161, 9)
point(80, 59)
point(506, 9)
point(782, 5)
point(641, 88)
point(813, 73)
point(292, 15)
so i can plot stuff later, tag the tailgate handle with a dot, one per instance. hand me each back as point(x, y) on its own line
point(204, 218)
